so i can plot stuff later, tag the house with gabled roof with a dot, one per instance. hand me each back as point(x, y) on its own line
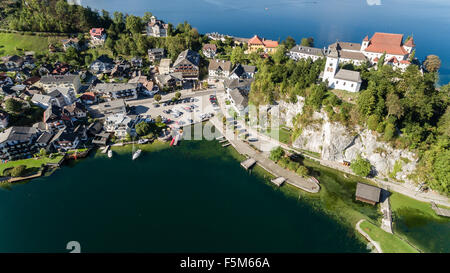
point(157, 28)
point(188, 64)
point(209, 50)
point(338, 78)
point(219, 69)
point(267, 46)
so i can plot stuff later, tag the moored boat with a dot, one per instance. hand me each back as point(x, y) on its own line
point(137, 154)
point(110, 153)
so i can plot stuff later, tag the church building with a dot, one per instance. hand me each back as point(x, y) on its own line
point(339, 78)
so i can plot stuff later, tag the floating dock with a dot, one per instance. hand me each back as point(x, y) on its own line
point(278, 181)
point(248, 163)
point(226, 144)
point(440, 211)
point(223, 140)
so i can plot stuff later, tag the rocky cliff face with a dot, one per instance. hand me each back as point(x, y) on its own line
point(335, 142)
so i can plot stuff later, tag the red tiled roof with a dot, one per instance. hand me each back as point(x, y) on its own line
point(405, 62)
point(210, 47)
point(366, 38)
point(386, 42)
point(96, 31)
point(255, 41)
point(410, 42)
point(270, 43)
point(376, 59)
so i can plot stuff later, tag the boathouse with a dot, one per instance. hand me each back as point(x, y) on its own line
point(367, 193)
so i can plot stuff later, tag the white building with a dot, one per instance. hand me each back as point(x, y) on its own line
point(50, 82)
point(340, 78)
point(219, 69)
point(157, 28)
point(114, 91)
point(397, 52)
point(120, 124)
point(304, 52)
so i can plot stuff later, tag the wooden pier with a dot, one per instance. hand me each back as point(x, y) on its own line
point(248, 163)
point(226, 144)
point(440, 211)
point(278, 181)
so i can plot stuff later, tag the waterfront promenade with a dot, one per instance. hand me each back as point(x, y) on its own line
point(263, 161)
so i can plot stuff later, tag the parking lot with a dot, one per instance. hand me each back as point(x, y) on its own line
point(179, 113)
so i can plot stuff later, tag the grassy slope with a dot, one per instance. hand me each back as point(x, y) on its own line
point(10, 42)
point(389, 243)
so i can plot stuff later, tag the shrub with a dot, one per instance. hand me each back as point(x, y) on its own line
point(361, 166)
point(389, 132)
point(372, 122)
point(18, 170)
point(302, 171)
point(293, 166)
point(276, 154)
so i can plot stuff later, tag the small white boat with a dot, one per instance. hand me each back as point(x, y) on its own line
point(143, 141)
point(137, 154)
point(110, 153)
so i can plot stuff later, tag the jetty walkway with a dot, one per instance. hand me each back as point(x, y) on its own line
point(262, 160)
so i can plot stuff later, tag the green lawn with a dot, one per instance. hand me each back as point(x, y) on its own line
point(12, 43)
point(280, 134)
point(30, 163)
point(399, 201)
point(390, 243)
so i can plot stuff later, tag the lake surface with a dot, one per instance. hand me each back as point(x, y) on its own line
point(192, 198)
point(325, 20)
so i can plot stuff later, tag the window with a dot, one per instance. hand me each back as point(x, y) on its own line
point(344, 83)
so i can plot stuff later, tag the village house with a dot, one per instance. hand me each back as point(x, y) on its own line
point(338, 78)
point(164, 66)
point(67, 138)
point(171, 80)
point(75, 110)
point(43, 101)
point(51, 82)
point(188, 64)
point(219, 69)
point(103, 64)
point(209, 50)
point(155, 54)
point(88, 98)
point(243, 72)
point(18, 142)
point(304, 52)
point(71, 42)
point(120, 124)
point(267, 46)
point(54, 119)
point(157, 28)
point(144, 85)
point(13, 63)
point(112, 107)
point(98, 36)
point(114, 91)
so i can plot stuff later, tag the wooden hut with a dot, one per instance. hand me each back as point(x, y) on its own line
point(368, 193)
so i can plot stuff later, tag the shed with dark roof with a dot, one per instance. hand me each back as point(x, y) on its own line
point(367, 193)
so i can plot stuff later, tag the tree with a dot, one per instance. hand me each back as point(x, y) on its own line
point(237, 55)
point(394, 105)
point(276, 154)
point(18, 170)
point(361, 166)
point(432, 63)
point(134, 24)
point(177, 95)
point(43, 152)
point(381, 60)
point(302, 171)
point(289, 42)
point(147, 16)
point(157, 97)
point(142, 128)
point(307, 42)
point(389, 131)
point(158, 119)
point(13, 106)
point(372, 122)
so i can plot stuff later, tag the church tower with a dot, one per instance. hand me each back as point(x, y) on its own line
point(331, 66)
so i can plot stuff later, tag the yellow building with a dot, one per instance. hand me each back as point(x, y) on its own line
point(267, 46)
